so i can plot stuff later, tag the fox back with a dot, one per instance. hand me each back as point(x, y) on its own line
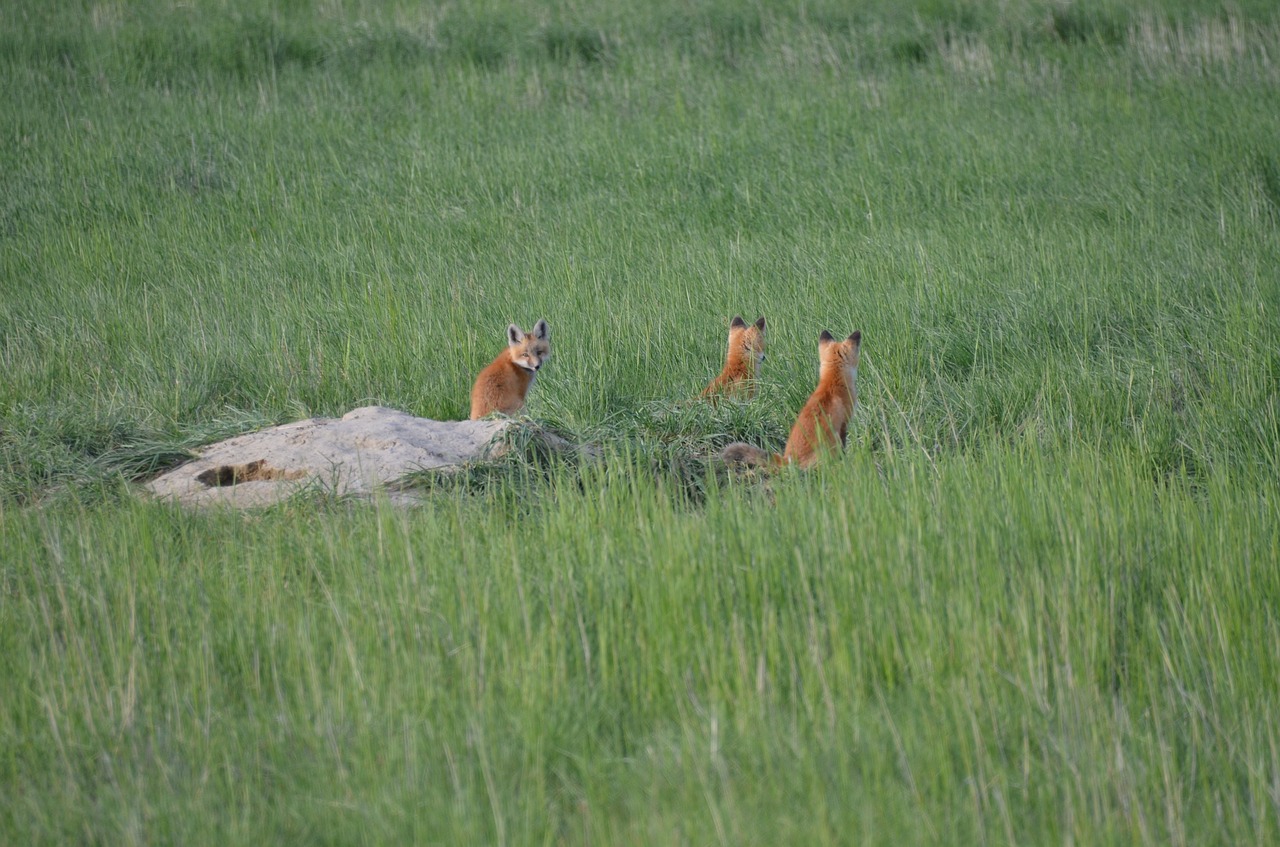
point(503, 384)
point(823, 424)
point(742, 361)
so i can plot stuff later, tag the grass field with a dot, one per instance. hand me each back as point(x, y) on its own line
point(1037, 601)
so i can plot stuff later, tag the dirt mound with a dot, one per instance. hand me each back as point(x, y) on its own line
point(364, 450)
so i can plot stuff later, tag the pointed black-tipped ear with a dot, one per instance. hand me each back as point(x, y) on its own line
point(856, 338)
point(514, 334)
point(541, 330)
point(760, 324)
point(825, 338)
point(737, 322)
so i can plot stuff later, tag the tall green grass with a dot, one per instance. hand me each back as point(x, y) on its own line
point(1008, 648)
point(1034, 603)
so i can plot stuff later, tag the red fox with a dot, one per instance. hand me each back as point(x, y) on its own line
point(502, 386)
point(824, 418)
point(746, 352)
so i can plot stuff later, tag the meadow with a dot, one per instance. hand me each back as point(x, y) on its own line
point(1036, 601)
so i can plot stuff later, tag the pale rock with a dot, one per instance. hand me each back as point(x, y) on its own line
point(365, 451)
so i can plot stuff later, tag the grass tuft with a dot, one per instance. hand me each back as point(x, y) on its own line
point(1079, 24)
point(1268, 171)
point(567, 44)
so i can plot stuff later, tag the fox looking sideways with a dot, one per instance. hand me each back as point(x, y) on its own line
point(502, 386)
point(746, 352)
point(823, 423)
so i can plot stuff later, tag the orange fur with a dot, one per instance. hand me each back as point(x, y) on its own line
point(746, 352)
point(825, 417)
point(503, 384)
point(822, 426)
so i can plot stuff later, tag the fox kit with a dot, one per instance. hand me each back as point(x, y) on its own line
point(823, 423)
point(501, 386)
point(746, 352)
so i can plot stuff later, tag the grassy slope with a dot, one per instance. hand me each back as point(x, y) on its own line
point(1035, 604)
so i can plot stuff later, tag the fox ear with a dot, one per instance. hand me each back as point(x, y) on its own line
point(541, 330)
point(856, 338)
point(760, 324)
point(514, 334)
point(825, 338)
point(737, 322)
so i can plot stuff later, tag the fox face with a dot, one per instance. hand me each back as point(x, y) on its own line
point(531, 350)
point(747, 339)
point(839, 357)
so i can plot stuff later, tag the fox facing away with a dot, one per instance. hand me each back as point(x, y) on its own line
point(823, 423)
point(746, 352)
point(502, 386)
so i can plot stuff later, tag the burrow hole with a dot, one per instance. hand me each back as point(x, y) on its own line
point(256, 471)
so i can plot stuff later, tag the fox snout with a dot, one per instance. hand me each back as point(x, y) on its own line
point(529, 361)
